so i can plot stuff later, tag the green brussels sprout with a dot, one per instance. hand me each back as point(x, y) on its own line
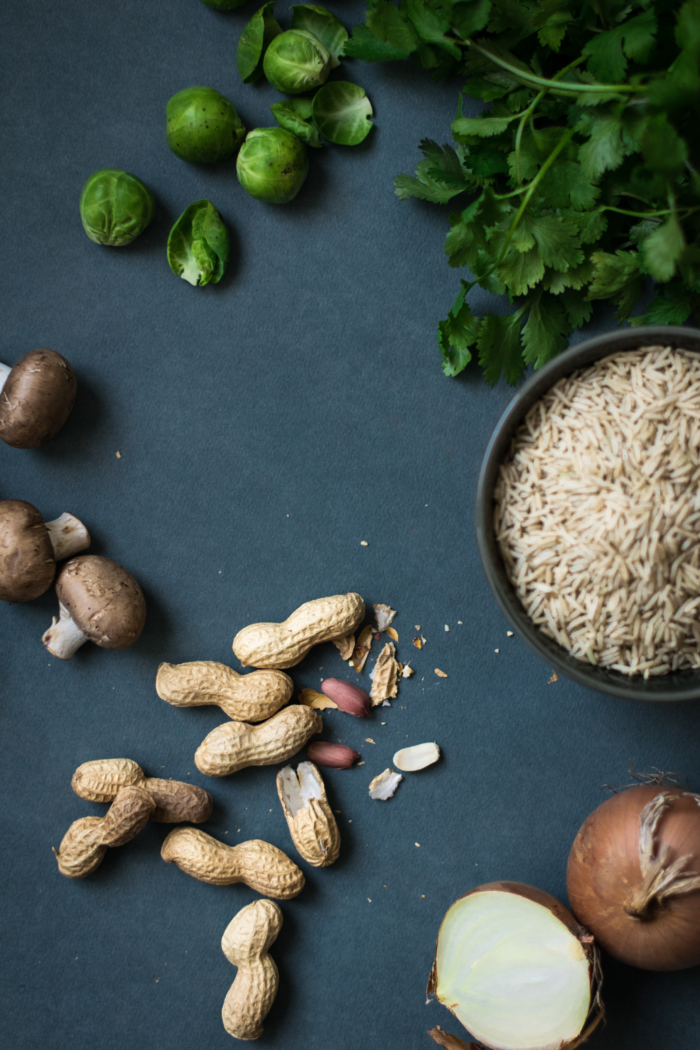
point(296, 61)
point(203, 126)
point(115, 207)
point(224, 5)
point(198, 245)
point(272, 165)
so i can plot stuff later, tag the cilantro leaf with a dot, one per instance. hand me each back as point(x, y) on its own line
point(545, 331)
point(469, 16)
point(578, 308)
point(481, 127)
point(662, 147)
point(608, 52)
point(500, 350)
point(457, 334)
point(439, 178)
point(616, 277)
point(608, 142)
point(386, 35)
point(663, 248)
point(673, 304)
point(431, 26)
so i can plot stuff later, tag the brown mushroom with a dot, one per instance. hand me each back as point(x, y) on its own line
point(30, 548)
point(36, 397)
point(98, 601)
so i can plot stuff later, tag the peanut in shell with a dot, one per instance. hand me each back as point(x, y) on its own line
point(245, 698)
point(258, 864)
point(281, 645)
point(85, 843)
point(175, 800)
point(246, 943)
point(235, 745)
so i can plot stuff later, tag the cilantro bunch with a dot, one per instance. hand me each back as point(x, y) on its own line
point(584, 172)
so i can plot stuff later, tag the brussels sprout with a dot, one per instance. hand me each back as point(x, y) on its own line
point(203, 126)
point(198, 245)
point(272, 165)
point(224, 5)
point(296, 61)
point(115, 207)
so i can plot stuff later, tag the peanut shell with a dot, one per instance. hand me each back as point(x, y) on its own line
point(85, 843)
point(280, 645)
point(245, 943)
point(256, 863)
point(311, 823)
point(235, 745)
point(101, 780)
point(245, 698)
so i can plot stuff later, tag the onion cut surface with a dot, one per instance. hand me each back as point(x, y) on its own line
point(516, 971)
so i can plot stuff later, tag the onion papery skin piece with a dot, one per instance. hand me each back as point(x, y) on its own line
point(604, 870)
point(517, 970)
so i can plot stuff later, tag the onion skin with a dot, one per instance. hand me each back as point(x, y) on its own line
point(604, 870)
point(596, 1011)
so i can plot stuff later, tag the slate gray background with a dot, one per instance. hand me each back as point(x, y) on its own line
point(266, 427)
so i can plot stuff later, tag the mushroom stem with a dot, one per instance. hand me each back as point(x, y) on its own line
point(64, 637)
point(68, 536)
point(4, 373)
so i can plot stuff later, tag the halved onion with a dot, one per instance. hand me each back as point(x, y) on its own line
point(633, 877)
point(514, 966)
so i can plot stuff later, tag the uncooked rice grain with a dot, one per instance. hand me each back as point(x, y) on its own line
point(597, 512)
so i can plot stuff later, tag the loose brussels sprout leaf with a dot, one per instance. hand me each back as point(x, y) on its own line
point(324, 26)
point(296, 61)
point(272, 165)
point(295, 115)
point(224, 5)
point(255, 38)
point(115, 207)
point(341, 112)
point(198, 245)
point(202, 126)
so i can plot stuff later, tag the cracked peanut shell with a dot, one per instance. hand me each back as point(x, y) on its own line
point(309, 818)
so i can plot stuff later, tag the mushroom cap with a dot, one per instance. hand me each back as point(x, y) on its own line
point(36, 399)
point(27, 565)
point(103, 599)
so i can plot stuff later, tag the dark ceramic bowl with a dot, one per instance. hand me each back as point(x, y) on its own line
point(677, 685)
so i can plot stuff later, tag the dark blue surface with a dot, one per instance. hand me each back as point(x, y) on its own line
point(266, 427)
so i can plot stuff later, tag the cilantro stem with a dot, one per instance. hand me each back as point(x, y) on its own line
point(566, 138)
point(551, 85)
point(531, 109)
point(647, 214)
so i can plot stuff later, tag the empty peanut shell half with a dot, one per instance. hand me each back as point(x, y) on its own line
point(311, 824)
point(411, 759)
point(384, 785)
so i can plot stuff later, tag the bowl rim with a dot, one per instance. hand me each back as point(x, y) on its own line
point(676, 685)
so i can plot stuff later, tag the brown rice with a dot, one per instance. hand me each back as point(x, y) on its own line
point(598, 512)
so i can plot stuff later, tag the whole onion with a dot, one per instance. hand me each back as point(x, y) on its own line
point(633, 877)
point(514, 966)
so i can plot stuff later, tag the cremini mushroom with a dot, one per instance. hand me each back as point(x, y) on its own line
point(30, 548)
point(36, 397)
point(98, 601)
